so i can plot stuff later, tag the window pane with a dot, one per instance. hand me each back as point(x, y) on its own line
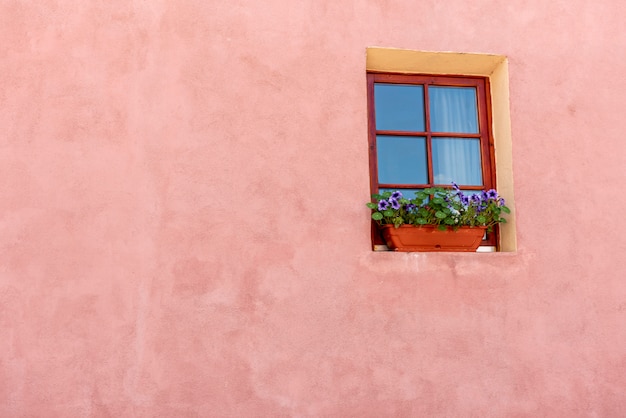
point(453, 109)
point(399, 107)
point(457, 160)
point(401, 159)
point(406, 193)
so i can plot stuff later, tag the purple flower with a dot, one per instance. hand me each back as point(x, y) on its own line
point(409, 207)
point(492, 194)
point(396, 195)
point(501, 201)
point(383, 205)
point(464, 199)
point(394, 203)
point(455, 186)
point(475, 198)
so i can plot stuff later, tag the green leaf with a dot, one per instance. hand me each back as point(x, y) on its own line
point(449, 221)
point(503, 220)
point(439, 214)
point(421, 221)
point(505, 209)
point(438, 200)
point(421, 195)
point(377, 216)
point(389, 213)
point(481, 219)
point(442, 227)
point(371, 205)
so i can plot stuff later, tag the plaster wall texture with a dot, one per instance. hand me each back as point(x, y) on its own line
point(183, 229)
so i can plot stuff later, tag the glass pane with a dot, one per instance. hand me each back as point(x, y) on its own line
point(471, 192)
point(406, 193)
point(453, 109)
point(399, 107)
point(457, 160)
point(401, 159)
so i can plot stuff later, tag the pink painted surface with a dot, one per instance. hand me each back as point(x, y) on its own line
point(169, 172)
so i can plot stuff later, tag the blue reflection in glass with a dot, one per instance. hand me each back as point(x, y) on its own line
point(469, 193)
point(401, 159)
point(399, 107)
point(406, 193)
point(453, 109)
point(457, 160)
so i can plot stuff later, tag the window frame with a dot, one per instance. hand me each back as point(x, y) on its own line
point(485, 135)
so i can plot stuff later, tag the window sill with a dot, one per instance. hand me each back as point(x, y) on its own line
point(482, 249)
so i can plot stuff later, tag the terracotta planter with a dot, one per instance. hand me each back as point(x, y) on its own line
point(429, 238)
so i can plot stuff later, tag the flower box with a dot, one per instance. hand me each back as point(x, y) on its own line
point(436, 218)
point(429, 238)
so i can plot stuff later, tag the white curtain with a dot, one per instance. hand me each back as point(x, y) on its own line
point(454, 109)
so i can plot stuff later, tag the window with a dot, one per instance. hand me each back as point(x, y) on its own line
point(494, 69)
point(429, 130)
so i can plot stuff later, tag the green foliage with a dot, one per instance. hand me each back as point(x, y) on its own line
point(439, 206)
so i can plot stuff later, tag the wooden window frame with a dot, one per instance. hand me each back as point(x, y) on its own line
point(485, 135)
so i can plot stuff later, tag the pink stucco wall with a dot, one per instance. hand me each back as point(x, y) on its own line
point(183, 229)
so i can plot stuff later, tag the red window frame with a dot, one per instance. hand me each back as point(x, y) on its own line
point(484, 134)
